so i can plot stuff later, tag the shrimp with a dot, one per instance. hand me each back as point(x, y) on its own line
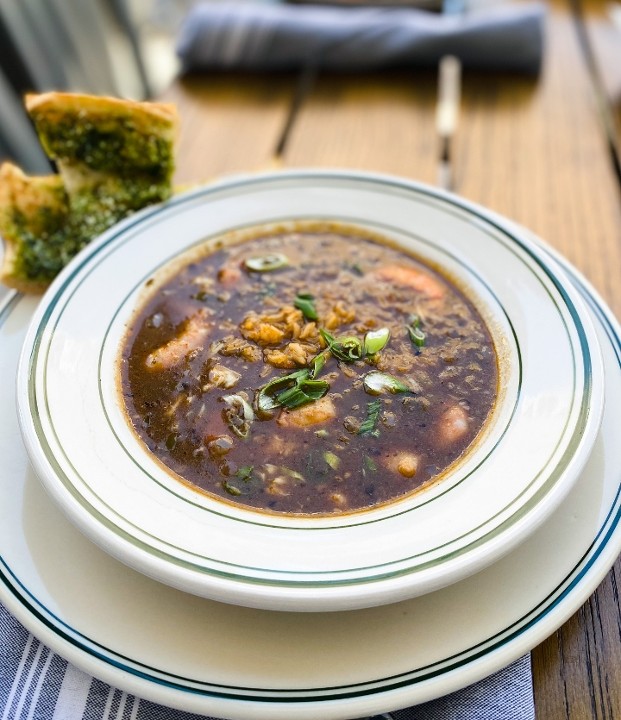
point(314, 413)
point(191, 338)
point(418, 280)
point(452, 426)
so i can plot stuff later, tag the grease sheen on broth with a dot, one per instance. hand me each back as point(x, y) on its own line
point(311, 371)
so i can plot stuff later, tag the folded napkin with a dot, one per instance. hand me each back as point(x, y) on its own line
point(259, 36)
point(36, 683)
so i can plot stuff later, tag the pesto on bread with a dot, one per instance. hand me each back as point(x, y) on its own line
point(113, 157)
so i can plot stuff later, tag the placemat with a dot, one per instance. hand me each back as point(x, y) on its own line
point(37, 684)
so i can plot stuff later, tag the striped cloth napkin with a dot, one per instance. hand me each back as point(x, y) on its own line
point(260, 36)
point(37, 684)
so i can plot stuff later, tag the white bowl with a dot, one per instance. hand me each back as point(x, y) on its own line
point(535, 444)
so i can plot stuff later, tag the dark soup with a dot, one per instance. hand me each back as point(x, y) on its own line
point(306, 372)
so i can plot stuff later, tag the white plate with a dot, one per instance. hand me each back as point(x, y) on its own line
point(121, 497)
point(232, 662)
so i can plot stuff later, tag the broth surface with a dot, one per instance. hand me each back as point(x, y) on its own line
point(308, 372)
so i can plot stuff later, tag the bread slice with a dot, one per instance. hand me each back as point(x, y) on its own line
point(33, 215)
point(90, 137)
point(114, 157)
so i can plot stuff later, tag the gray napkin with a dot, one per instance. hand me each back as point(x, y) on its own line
point(263, 37)
point(36, 683)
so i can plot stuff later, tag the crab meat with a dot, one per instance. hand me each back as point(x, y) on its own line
point(223, 377)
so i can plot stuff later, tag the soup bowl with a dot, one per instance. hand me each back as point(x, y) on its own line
point(75, 413)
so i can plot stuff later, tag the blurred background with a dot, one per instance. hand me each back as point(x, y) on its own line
point(113, 47)
point(127, 48)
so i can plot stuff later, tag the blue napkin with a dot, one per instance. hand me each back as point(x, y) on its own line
point(264, 37)
point(36, 683)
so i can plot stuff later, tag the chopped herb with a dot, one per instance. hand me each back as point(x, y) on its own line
point(266, 263)
point(417, 336)
point(348, 349)
point(245, 473)
point(368, 464)
point(376, 383)
point(376, 340)
point(369, 425)
point(171, 441)
point(306, 303)
point(355, 269)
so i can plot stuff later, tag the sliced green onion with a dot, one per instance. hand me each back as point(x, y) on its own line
point(376, 383)
point(352, 348)
point(292, 397)
point(315, 389)
point(348, 349)
point(306, 303)
point(304, 392)
point(369, 425)
point(318, 362)
point(231, 489)
point(266, 263)
point(417, 336)
point(332, 459)
point(328, 337)
point(376, 340)
point(267, 395)
point(291, 391)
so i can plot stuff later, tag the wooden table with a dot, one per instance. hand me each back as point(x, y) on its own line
point(539, 151)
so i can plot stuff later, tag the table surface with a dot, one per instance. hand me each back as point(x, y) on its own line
point(540, 151)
